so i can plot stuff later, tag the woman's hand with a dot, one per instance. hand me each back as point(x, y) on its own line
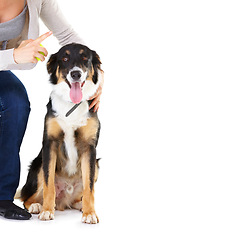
point(96, 102)
point(29, 49)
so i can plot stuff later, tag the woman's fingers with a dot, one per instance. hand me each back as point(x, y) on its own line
point(42, 37)
point(40, 56)
point(34, 60)
point(96, 97)
point(30, 49)
point(97, 106)
point(95, 102)
point(43, 50)
point(25, 42)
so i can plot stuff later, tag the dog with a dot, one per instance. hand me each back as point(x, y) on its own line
point(65, 171)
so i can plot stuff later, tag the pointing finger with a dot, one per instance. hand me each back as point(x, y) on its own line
point(43, 37)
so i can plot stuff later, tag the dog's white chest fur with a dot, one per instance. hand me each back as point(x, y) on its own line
point(69, 125)
point(71, 165)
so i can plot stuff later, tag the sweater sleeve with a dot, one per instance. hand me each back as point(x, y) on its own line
point(53, 18)
point(7, 61)
point(6, 58)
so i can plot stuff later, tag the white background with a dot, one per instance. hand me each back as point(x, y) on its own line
point(163, 120)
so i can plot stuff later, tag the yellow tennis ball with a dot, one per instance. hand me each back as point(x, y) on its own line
point(41, 53)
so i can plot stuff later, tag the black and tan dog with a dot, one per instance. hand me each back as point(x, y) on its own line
point(64, 173)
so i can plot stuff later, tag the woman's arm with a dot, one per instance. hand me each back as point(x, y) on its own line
point(53, 18)
point(7, 61)
point(24, 57)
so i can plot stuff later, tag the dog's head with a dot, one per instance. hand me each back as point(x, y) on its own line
point(74, 72)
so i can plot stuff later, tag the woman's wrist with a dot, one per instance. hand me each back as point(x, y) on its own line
point(14, 55)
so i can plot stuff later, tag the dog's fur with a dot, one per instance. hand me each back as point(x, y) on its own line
point(63, 174)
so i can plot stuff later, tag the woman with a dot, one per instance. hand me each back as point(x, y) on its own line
point(18, 27)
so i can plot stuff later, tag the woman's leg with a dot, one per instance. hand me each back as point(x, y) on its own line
point(14, 112)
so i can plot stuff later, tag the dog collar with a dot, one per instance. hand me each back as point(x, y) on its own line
point(72, 109)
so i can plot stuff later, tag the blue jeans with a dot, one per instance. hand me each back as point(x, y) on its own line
point(14, 113)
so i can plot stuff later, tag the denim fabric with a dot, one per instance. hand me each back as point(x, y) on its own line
point(14, 113)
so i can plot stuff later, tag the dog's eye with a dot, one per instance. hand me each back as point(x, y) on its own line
point(65, 59)
point(84, 58)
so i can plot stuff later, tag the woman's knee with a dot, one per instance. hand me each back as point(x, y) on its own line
point(14, 108)
point(20, 98)
point(13, 94)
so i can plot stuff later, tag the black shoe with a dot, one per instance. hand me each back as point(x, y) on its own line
point(10, 211)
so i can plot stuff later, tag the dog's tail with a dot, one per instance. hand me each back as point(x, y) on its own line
point(18, 194)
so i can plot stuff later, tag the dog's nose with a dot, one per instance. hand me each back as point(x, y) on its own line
point(76, 75)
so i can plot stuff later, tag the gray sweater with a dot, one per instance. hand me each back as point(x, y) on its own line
point(47, 10)
point(13, 28)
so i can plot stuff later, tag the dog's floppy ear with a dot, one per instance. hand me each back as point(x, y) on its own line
point(52, 67)
point(96, 65)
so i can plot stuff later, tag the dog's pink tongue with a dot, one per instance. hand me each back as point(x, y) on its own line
point(75, 92)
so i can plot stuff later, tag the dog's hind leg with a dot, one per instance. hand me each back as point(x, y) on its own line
point(34, 203)
point(88, 162)
point(33, 208)
point(77, 205)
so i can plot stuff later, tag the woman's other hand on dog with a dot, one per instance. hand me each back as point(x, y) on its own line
point(29, 50)
point(96, 102)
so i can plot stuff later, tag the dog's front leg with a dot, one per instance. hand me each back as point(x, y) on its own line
point(49, 164)
point(88, 162)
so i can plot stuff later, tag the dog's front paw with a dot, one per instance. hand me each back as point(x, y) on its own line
point(46, 215)
point(90, 218)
